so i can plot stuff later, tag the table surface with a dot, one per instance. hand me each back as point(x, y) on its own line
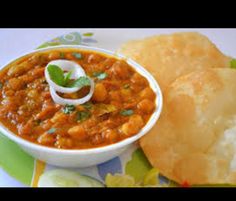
point(14, 42)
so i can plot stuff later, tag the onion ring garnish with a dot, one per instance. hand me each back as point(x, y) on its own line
point(64, 101)
point(77, 71)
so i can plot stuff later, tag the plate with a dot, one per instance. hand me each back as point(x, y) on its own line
point(19, 169)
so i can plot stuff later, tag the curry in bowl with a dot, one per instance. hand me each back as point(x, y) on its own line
point(44, 101)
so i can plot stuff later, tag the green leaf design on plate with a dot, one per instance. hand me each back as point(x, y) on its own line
point(88, 34)
point(15, 161)
point(48, 44)
point(138, 166)
point(73, 38)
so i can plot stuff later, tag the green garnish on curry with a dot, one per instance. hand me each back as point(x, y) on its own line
point(88, 105)
point(83, 115)
point(126, 112)
point(51, 130)
point(100, 75)
point(63, 79)
point(80, 82)
point(126, 86)
point(67, 109)
point(77, 55)
point(56, 74)
point(62, 55)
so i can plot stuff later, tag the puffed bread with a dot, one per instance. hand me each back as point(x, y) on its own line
point(170, 56)
point(194, 140)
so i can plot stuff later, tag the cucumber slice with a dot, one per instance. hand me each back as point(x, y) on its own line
point(66, 178)
point(119, 180)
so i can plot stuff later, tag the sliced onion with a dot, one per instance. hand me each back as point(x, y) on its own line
point(65, 65)
point(64, 101)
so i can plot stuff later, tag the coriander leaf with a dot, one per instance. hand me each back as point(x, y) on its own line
point(83, 115)
point(1, 85)
point(37, 122)
point(51, 130)
point(88, 34)
point(80, 82)
point(101, 109)
point(62, 55)
point(67, 109)
point(126, 86)
point(77, 55)
point(233, 63)
point(67, 77)
point(126, 112)
point(100, 75)
point(56, 74)
point(44, 82)
point(87, 105)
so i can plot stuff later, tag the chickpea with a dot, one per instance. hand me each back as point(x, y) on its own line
point(47, 124)
point(94, 58)
point(136, 88)
point(39, 59)
point(117, 104)
point(138, 79)
point(147, 93)
point(120, 69)
point(38, 72)
point(92, 122)
point(69, 56)
point(146, 106)
point(46, 112)
point(97, 139)
point(136, 120)
point(133, 126)
point(19, 69)
point(100, 93)
point(128, 129)
point(15, 84)
point(115, 95)
point(54, 56)
point(33, 94)
point(77, 132)
point(125, 94)
point(46, 139)
point(59, 117)
point(110, 134)
point(26, 78)
point(35, 59)
point(25, 129)
point(63, 142)
point(46, 94)
point(9, 93)
point(108, 63)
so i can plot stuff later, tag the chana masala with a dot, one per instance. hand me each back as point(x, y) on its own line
point(121, 104)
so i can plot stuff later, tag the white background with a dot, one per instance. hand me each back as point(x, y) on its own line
point(14, 42)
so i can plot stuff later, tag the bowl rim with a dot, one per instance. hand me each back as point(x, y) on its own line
point(151, 122)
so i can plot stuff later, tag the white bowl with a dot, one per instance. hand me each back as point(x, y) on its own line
point(92, 156)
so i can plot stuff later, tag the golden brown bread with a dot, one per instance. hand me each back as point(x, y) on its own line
point(170, 56)
point(194, 140)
